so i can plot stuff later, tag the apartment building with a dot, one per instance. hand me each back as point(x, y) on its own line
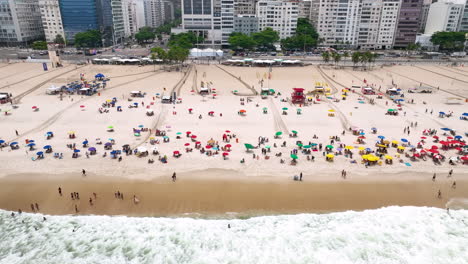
point(51, 19)
point(244, 7)
point(279, 15)
point(443, 16)
point(20, 22)
point(246, 24)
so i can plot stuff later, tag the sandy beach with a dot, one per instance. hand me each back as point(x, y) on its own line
point(239, 181)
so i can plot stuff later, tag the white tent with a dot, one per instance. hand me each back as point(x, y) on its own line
point(203, 53)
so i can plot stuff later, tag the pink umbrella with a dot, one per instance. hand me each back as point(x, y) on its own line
point(82, 106)
point(34, 107)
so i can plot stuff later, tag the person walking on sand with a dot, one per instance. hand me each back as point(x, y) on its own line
point(83, 172)
point(454, 185)
point(439, 195)
point(37, 207)
point(32, 208)
point(91, 201)
point(16, 131)
point(174, 177)
point(450, 173)
point(60, 191)
point(300, 176)
point(76, 208)
point(434, 177)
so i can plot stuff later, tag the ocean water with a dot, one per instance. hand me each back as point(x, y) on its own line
point(387, 235)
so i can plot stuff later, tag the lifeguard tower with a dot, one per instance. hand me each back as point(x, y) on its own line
point(298, 96)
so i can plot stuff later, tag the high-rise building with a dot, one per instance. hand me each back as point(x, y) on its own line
point(78, 16)
point(304, 8)
point(51, 19)
point(20, 22)
point(443, 16)
point(424, 13)
point(338, 22)
point(244, 7)
point(129, 10)
point(280, 15)
point(158, 12)
point(111, 21)
point(464, 19)
point(369, 24)
point(246, 24)
point(408, 23)
point(388, 23)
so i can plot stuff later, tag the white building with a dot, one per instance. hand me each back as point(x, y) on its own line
point(51, 19)
point(20, 22)
point(280, 15)
point(154, 12)
point(304, 8)
point(388, 23)
point(338, 22)
point(129, 10)
point(244, 7)
point(443, 16)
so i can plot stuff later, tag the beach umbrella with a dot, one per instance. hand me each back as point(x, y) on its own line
point(92, 149)
point(176, 152)
point(388, 157)
point(307, 146)
point(404, 140)
point(40, 153)
point(299, 110)
point(285, 108)
point(110, 127)
point(85, 142)
point(314, 144)
point(330, 155)
point(362, 137)
point(142, 149)
point(228, 146)
point(446, 129)
point(71, 132)
point(329, 146)
point(458, 137)
point(187, 144)
point(248, 146)
point(193, 136)
point(225, 154)
point(294, 156)
point(108, 144)
point(208, 146)
point(179, 133)
point(381, 137)
point(368, 149)
point(165, 137)
point(265, 108)
point(267, 147)
point(13, 143)
point(361, 148)
point(47, 147)
point(76, 150)
point(227, 131)
point(34, 107)
point(242, 111)
point(294, 131)
point(299, 144)
point(82, 106)
point(2, 141)
point(235, 91)
point(331, 110)
point(401, 147)
point(31, 144)
point(188, 132)
point(279, 133)
point(349, 147)
point(141, 126)
point(49, 133)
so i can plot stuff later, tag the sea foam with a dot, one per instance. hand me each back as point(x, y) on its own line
point(387, 235)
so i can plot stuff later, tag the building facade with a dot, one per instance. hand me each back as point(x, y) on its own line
point(78, 16)
point(279, 15)
point(388, 24)
point(244, 7)
point(111, 21)
point(424, 13)
point(304, 8)
point(409, 22)
point(51, 19)
point(21, 22)
point(443, 16)
point(129, 12)
point(246, 24)
point(463, 26)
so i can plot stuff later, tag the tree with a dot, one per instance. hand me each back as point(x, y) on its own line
point(178, 54)
point(59, 39)
point(345, 55)
point(39, 45)
point(266, 38)
point(159, 53)
point(336, 57)
point(240, 41)
point(356, 57)
point(326, 56)
point(88, 39)
point(185, 40)
point(449, 41)
point(305, 38)
point(144, 35)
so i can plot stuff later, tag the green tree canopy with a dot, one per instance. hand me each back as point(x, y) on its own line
point(185, 40)
point(326, 56)
point(178, 54)
point(88, 39)
point(266, 38)
point(39, 45)
point(159, 53)
point(306, 37)
point(240, 41)
point(59, 39)
point(145, 34)
point(450, 41)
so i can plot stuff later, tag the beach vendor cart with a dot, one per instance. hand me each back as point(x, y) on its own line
point(137, 94)
point(204, 91)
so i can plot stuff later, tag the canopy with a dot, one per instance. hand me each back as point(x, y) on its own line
point(248, 146)
point(99, 75)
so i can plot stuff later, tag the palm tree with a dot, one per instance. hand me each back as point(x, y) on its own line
point(326, 56)
point(336, 58)
point(356, 57)
point(345, 56)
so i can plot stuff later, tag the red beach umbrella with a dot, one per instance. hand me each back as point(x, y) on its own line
point(82, 106)
point(187, 144)
point(208, 146)
point(176, 152)
point(193, 136)
point(188, 132)
point(34, 107)
point(227, 131)
point(423, 137)
point(197, 143)
point(228, 145)
point(436, 137)
point(225, 154)
point(449, 137)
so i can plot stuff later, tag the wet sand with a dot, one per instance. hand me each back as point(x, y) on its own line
point(210, 196)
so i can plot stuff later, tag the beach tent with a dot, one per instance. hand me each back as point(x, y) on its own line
point(53, 90)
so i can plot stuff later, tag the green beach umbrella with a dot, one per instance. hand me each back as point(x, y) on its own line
point(248, 146)
point(294, 131)
point(391, 110)
point(179, 133)
point(329, 146)
point(307, 146)
point(279, 133)
point(267, 147)
point(285, 108)
point(299, 110)
point(110, 127)
point(264, 108)
point(272, 90)
point(314, 144)
point(294, 156)
point(299, 144)
point(235, 91)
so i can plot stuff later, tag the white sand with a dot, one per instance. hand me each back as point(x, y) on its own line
point(63, 116)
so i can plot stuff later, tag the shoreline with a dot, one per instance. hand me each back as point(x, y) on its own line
point(208, 197)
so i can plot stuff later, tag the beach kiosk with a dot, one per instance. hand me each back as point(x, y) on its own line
point(393, 91)
point(319, 89)
point(136, 94)
point(298, 96)
point(4, 98)
point(166, 99)
point(85, 91)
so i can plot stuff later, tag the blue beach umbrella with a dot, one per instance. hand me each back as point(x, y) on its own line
point(31, 141)
point(76, 150)
point(47, 146)
point(368, 149)
point(31, 144)
point(381, 137)
point(465, 114)
point(141, 126)
point(50, 133)
point(40, 153)
point(2, 141)
point(404, 140)
point(85, 142)
point(446, 129)
point(113, 152)
point(13, 143)
point(92, 149)
point(457, 137)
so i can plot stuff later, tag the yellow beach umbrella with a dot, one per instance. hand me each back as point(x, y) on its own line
point(394, 142)
point(361, 148)
point(108, 100)
point(71, 132)
point(373, 158)
point(401, 147)
point(349, 147)
point(331, 110)
point(381, 146)
point(388, 157)
point(330, 155)
point(365, 156)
